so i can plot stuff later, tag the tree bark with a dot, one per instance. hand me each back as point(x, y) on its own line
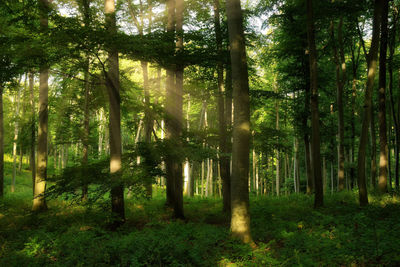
point(1, 143)
point(340, 82)
point(33, 132)
point(39, 201)
point(240, 219)
point(15, 141)
point(372, 67)
point(383, 143)
point(113, 89)
point(315, 141)
point(396, 122)
point(223, 157)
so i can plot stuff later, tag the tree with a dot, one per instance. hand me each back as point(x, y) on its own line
point(224, 158)
point(1, 142)
point(113, 90)
point(315, 141)
point(340, 83)
point(240, 219)
point(383, 144)
point(39, 201)
point(372, 58)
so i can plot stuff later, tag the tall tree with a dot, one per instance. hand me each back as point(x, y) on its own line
point(39, 201)
point(113, 89)
point(85, 4)
point(224, 158)
point(33, 131)
point(169, 103)
point(178, 177)
point(1, 142)
point(315, 141)
point(372, 58)
point(240, 219)
point(340, 62)
point(383, 144)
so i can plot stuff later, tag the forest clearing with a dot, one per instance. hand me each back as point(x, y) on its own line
point(199, 133)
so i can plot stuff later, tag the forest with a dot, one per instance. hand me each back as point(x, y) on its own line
point(199, 132)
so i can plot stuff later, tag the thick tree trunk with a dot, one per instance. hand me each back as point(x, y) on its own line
point(383, 143)
point(113, 89)
point(372, 67)
point(39, 201)
point(306, 139)
point(169, 106)
point(178, 190)
point(240, 219)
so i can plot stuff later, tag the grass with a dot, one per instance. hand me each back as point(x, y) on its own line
point(287, 230)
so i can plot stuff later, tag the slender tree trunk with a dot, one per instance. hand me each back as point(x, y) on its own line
point(240, 219)
point(383, 143)
point(340, 81)
point(33, 131)
point(16, 131)
point(396, 118)
point(373, 146)
point(224, 159)
point(1, 143)
point(86, 129)
point(101, 134)
point(148, 118)
point(315, 141)
point(277, 172)
point(372, 67)
point(113, 89)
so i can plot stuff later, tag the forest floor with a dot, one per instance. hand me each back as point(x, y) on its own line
point(287, 230)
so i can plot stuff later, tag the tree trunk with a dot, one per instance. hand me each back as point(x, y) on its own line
point(340, 82)
point(383, 143)
point(39, 201)
point(178, 205)
point(113, 89)
point(373, 146)
point(33, 131)
point(395, 116)
point(277, 173)
point(372, 66)
point(86, 130)
point(16, 131)
point(240, 219)
point(315, 141)
point(306, 139)
point(1, 143)
point(224, 159)
point(148, 119)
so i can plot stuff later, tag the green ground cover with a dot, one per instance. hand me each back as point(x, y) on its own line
point(288, 232)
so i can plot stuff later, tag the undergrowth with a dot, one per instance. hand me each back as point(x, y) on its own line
point(288, 232)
